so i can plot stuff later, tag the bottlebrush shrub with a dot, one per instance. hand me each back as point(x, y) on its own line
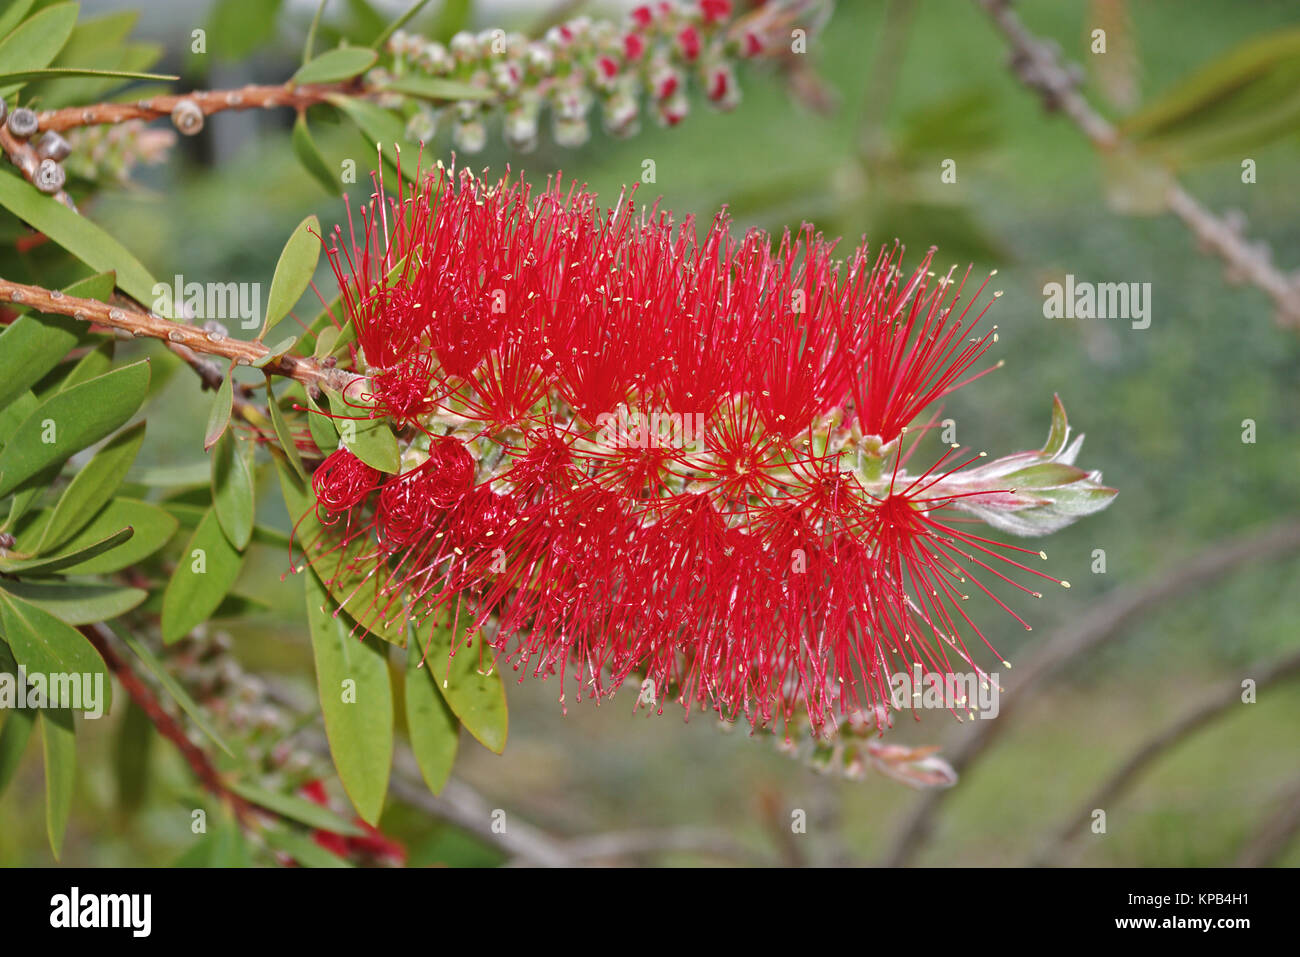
point(636, 449)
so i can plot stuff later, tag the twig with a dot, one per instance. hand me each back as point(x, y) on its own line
point(166, 725)
point(1213, 706)
point(141, 324)
point(23, 156)
point(1278, 831)
point(206, 102)
point(1104, 623)
point(1038, 65)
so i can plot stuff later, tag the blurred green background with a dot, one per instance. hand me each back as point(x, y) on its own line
point(1162, 408)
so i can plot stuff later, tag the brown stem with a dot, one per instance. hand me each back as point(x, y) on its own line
point(1104, 623)
point(250, 97)
point(1218, 703)
point(23, 156)
point(166, 725)
point(1038, 66)
point(142, 324)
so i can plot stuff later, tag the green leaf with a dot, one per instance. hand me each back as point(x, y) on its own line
point(275, 352)
point(152, 527)
point(370, 440)
point(232, 489)
point(71, 420)
point(438, 89)
point(14, 735)
point(295, 808)
point(309, 44)
point(43, 644)
point(91, 488)
point(65, 73)
point(397, 24)
point(14, 413)
point(477, 697)
point(323, 432)
point(78, 603)
point(93, 364)
point(32, 345)
point(78, 235)
point(35, 44)
point(383, 129)
point(14, 15)
point(311, 158)
point(219, 414)
point(433, 728)
point(356, 698)
point(301, 848)
point(208, 566)
point(238, 27)
point(69, 557)
point(58, 738)
point(131, 757)
point(293, 272)
point(283, 435)
point(335, 66)
point(173, 688)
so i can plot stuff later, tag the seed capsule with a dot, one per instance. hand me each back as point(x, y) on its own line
point(187, 117)
point(49, 177)
point(53, 146)
point(23, 122)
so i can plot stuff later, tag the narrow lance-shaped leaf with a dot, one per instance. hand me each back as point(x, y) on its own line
point(334, 66)
point(91, 488)
point(43, 644)
point(219, 414)
point(293, 272)
point(432, 726)
point(78, 603)
point(356, 699)
point(311, 158)
point(32, 345)
point(58, 738)
point(295, 808)
point(232, 489)
point(71, 420)
point(208, 566)
point(78, 235)
point(283, 434)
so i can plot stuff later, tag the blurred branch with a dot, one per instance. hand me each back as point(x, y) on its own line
point(1105, 622)
point(1038, 65)
point(1213, 706)
point(1278, 831)
point(167, 726)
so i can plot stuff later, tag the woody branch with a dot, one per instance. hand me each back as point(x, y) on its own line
point(1038, 66)
point(202, 342)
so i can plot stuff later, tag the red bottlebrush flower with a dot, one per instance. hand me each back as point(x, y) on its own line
point(343, 481)
point(633, 46)
point(655, 452)
point(688, 39)
point(607, 66)
point(713, 11)
point(643, 16)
